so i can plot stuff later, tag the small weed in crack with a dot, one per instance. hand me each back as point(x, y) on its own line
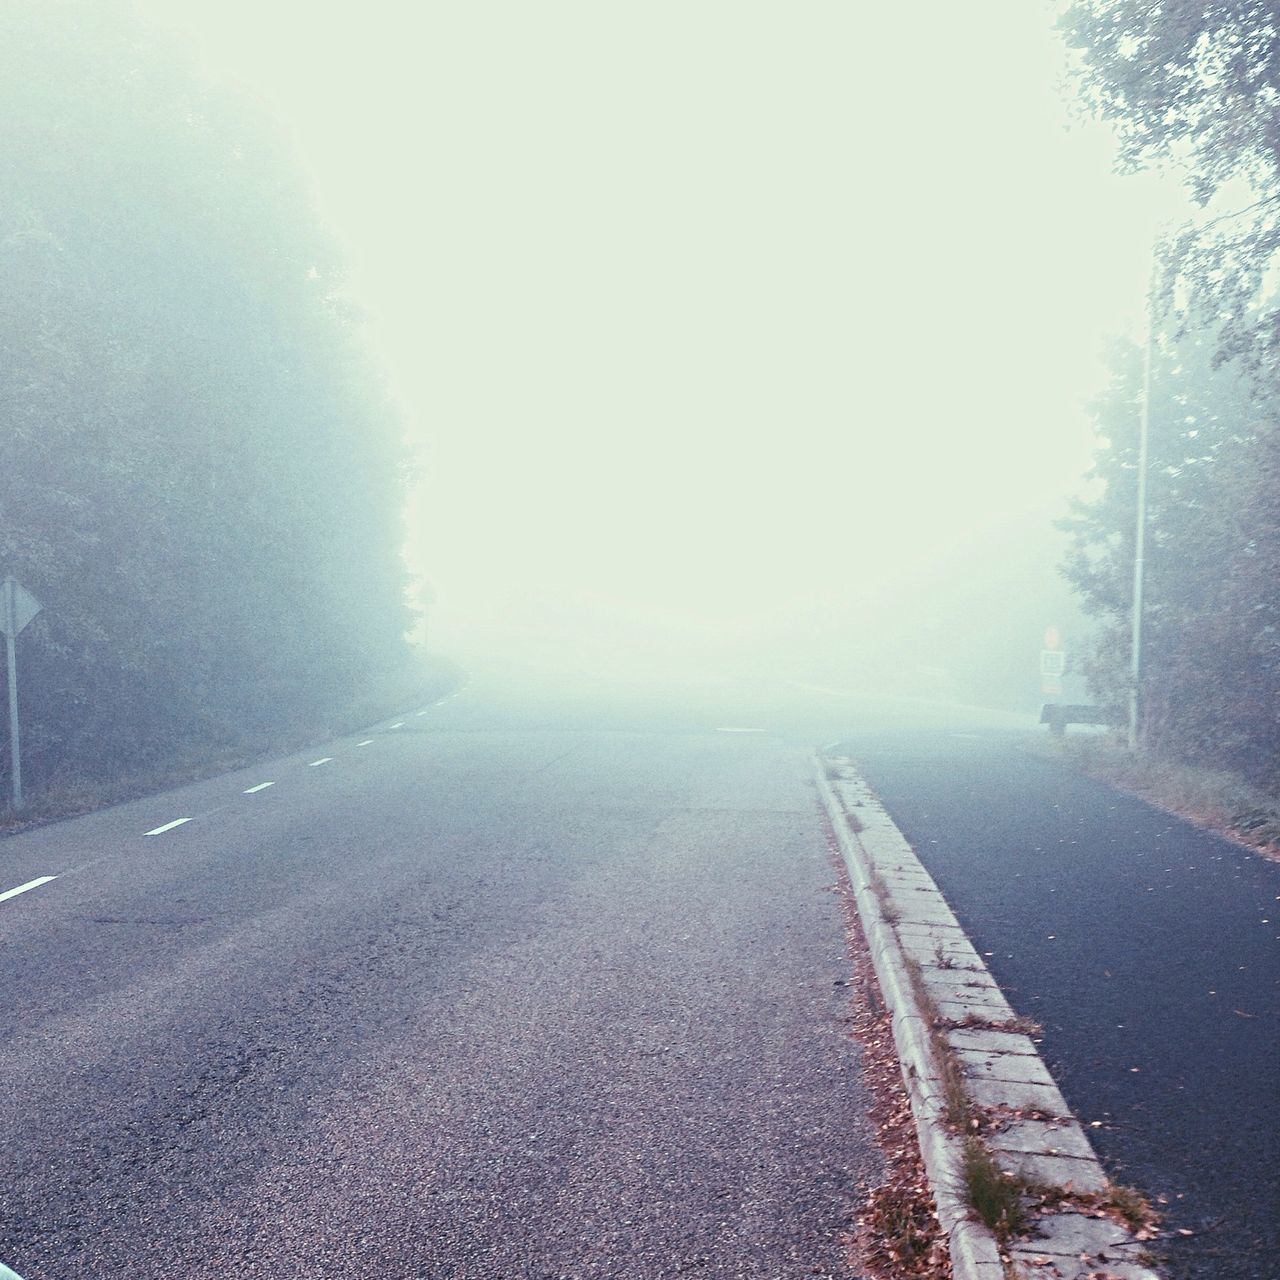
point(997, 1196)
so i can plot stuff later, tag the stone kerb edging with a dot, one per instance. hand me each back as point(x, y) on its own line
point(974, 1252)
point(904, 915)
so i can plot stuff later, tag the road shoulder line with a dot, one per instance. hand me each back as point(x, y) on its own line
point(908, 925)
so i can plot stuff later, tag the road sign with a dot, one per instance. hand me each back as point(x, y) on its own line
point(17, 607)
point(1053, 665)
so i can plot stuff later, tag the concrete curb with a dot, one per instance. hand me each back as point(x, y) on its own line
point(974, 1252)
point(1001, 1066)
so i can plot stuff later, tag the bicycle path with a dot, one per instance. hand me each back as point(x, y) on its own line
point(1149, 951)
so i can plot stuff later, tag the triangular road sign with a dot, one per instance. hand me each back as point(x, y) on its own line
point(17, 607)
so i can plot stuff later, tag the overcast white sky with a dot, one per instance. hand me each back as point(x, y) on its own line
point(698, 303)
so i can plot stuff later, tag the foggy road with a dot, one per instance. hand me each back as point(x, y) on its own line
point(542, 984)
point(484, 992)
point(1147, 949)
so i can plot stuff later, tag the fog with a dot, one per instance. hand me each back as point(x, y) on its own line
point(734, 337)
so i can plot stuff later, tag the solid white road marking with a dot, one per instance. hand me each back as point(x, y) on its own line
point(262, 786)
point(168, 826)
point(7, 1273)
point(322, 760)
point(365, 743)
point(13, 893)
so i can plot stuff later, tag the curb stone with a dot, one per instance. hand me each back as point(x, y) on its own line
point(1001, 1066)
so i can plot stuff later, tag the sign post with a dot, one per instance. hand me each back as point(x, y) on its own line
point(17, 607)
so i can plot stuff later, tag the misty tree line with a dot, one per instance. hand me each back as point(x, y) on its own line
point(1197, 85)
point(202, 473)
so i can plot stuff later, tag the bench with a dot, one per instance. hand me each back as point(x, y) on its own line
point(1057, 715)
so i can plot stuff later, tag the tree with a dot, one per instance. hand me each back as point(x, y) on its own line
point(1196, 83)
point(1211, 653)
point(203, 470)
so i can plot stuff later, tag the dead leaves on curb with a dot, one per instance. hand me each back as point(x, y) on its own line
point(898, 1235)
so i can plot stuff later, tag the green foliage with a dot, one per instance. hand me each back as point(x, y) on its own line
point(997, 1197)
point(203, 472)
point(1211, 650)
point(1197, 85)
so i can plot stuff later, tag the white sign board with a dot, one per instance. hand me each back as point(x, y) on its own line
point(17, 607)
point(1053, 662)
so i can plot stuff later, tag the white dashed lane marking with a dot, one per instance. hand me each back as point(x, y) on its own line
point(322, 760)
point(367, 742)
point(734, 729)
point(398, 725)
point(13, 893)
point(159, 831)
point(262, 786)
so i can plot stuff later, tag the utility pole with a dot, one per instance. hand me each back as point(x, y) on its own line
point(1140, 538)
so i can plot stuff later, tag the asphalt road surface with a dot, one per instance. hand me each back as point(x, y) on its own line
point(503, 989)
point(544, 986)
point(1148, 950)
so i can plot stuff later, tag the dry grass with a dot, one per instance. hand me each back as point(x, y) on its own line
point(887, 908)
point(980, 1022)
point(1120, 1203)
point(1132, 1206)
point(955, 1096)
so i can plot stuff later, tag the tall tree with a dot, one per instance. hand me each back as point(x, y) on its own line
point(203, 473)
point(1211, 652)
point(1196, 84)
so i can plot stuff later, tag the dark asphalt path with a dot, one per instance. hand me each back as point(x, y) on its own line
point(1149, 951)
point(509, 991)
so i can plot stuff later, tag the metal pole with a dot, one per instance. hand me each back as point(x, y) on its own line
point(15, 750)
point(1140, 538)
